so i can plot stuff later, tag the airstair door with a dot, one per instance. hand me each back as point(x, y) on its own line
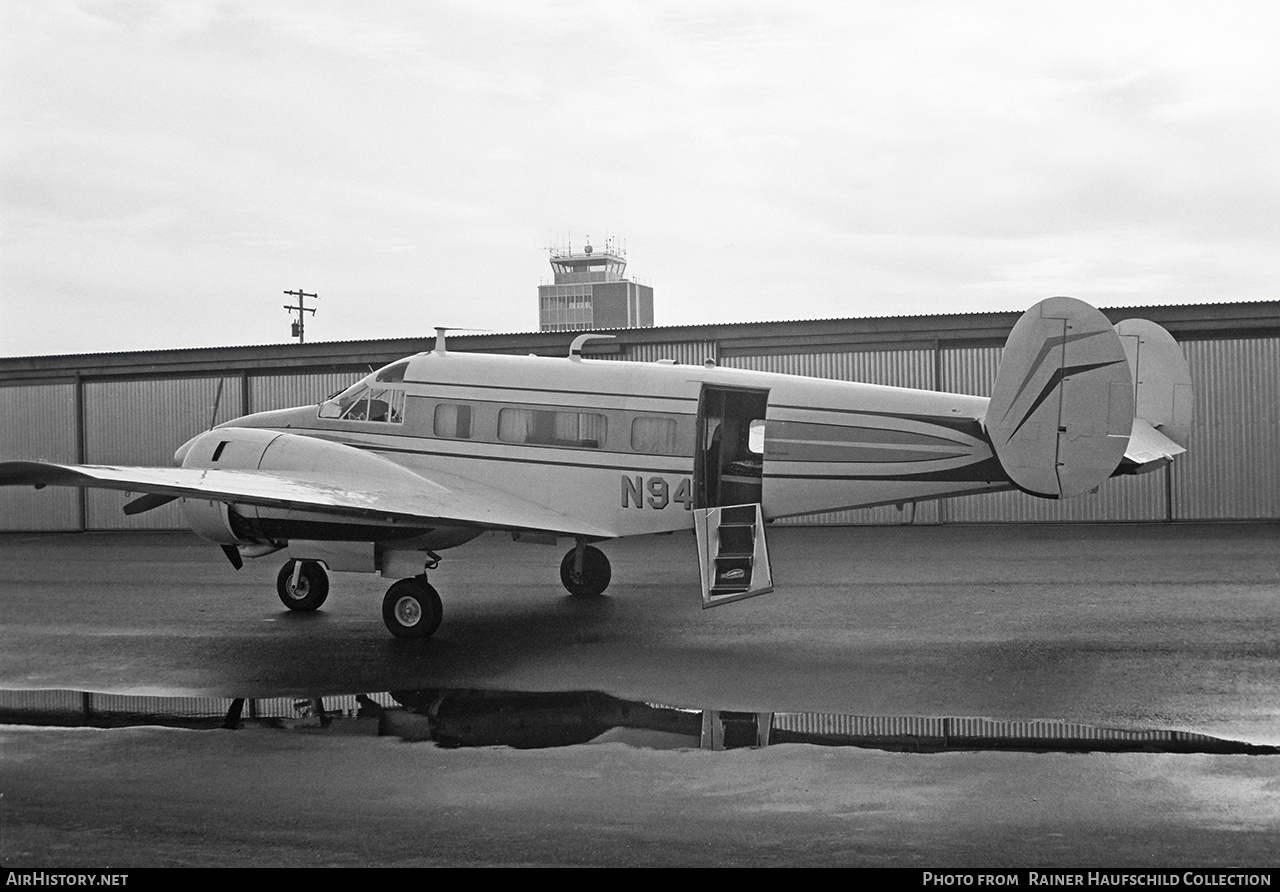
point(728, 474)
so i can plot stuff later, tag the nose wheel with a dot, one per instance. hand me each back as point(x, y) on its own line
point(412, 608)
point(585, 570)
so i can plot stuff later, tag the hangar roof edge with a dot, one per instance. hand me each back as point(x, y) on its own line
point(1226, 319)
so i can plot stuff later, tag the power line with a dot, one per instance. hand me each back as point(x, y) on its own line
point(299, 327)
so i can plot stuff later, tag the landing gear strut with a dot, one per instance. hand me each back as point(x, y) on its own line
point(412, 608)
point(302, 585)
point(585, 570)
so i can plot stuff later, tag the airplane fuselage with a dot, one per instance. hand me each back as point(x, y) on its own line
point(631, 448)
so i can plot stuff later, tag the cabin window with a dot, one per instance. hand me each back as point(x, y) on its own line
point(385, 404)
point(654, 435)
point(755, 436)
point(550, 427)
point(453, 420)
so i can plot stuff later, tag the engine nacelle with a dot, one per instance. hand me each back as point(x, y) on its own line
point(264, 528)
point(236, 448)
point(209, 520)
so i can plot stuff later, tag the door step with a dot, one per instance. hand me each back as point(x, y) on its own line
point(732, 553)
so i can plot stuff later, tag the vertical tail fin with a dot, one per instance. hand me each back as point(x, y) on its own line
point(1161, 378)
point(1061, 410)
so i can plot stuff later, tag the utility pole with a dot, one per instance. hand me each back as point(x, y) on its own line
point(299, 327)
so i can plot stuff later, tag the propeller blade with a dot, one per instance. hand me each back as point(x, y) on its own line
point(233, 555)
point(147, 502)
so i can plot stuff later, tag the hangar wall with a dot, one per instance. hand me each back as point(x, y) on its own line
point(40, 423)
point(1232, 466)
point(141, 422)
point(135, 421)
point(137, 408)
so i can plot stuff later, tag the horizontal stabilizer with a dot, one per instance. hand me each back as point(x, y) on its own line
point(1061, 410)
point(1148, 449)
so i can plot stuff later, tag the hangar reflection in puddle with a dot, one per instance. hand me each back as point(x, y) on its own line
point(526, 720)
point(456, 718)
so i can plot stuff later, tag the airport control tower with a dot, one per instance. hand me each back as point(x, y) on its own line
point(591, 291)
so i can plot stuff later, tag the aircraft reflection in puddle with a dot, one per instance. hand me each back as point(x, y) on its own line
point(523, 720)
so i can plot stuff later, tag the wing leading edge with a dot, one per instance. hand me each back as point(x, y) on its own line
point(381, 490)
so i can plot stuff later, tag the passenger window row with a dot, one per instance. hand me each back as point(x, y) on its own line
point(649, 433)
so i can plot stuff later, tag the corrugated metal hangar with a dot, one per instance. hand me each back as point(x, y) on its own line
point(136, 408)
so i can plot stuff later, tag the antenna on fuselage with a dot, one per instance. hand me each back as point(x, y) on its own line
point(441, 331)
point(575, 349)
point(440, 349)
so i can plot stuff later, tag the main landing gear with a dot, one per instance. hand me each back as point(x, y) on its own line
point(585, 570)
point(412, 608)
point(302, 585)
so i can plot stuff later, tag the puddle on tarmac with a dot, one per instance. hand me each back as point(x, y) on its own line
point(523, 720)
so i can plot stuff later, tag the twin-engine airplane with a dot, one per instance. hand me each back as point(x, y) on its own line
point(429, 452)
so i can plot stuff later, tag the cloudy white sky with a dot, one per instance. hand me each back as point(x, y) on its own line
point(170, 168)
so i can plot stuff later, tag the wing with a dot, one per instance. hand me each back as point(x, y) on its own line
point(360, 485)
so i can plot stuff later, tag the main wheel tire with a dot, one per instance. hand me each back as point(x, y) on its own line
point(412, 609)
point(312, 588)
point(595, 575)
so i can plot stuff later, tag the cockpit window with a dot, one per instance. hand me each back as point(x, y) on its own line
point(377, 404)
point(369, 399)
point(392, 373)
point(337, 405)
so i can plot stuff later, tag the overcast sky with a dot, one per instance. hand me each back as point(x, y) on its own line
point(170, 168)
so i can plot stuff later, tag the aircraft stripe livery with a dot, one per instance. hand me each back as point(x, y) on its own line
point(430, 451)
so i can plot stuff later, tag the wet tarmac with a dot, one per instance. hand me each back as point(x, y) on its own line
point(1121, 626)
point(1016, 647)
